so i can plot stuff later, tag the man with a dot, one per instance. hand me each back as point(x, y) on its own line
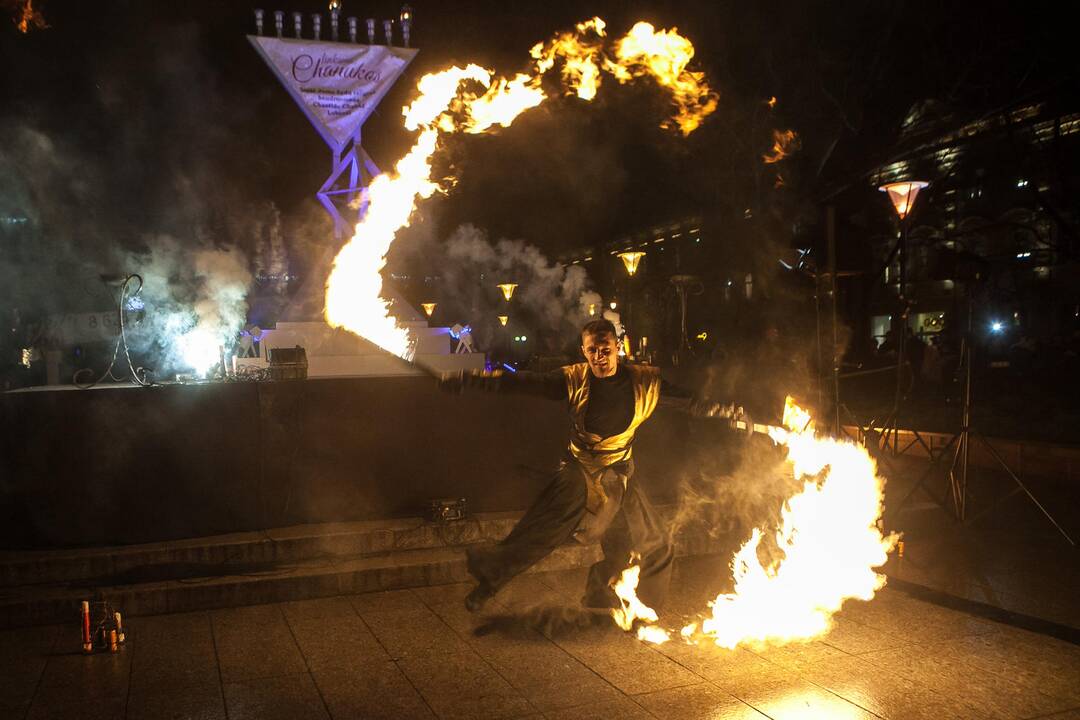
point(593, 493)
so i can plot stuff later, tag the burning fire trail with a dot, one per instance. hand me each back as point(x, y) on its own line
point(473, 100)
point(785, 142)
point(633, 610)
point(830, 540)
point(29, 17)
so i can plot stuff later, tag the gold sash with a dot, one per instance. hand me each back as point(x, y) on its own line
point(594, 453)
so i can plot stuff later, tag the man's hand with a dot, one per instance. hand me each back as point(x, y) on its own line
point(708, 409)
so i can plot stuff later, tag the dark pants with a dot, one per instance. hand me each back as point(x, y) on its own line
point(551, 521)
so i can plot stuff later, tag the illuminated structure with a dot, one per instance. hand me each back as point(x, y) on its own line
point(337, 85)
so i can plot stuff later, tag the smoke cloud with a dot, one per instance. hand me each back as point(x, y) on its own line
point(553, 299)
point(193, 304)
point(96, 181)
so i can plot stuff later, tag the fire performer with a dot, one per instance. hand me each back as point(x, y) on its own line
point(593, 494)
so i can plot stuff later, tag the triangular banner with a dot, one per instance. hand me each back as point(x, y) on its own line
point(337, 85)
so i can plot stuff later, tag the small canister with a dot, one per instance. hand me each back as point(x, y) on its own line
point(87, 643)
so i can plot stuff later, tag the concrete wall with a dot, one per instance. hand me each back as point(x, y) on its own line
point(128, 465)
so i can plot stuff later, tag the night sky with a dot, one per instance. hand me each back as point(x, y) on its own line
point(160, 117)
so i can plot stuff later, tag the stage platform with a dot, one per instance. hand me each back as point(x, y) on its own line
point(119, 464)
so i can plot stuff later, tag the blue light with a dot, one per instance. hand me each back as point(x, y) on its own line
point(509, 367)
point(997, 326)
point(134, 304)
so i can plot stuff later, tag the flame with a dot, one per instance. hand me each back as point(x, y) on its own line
point(785, 142)
point(831, 542)
point(29, 17)
point(582, 57)
point(830, 538)
point(632, 610)
point(470, 99)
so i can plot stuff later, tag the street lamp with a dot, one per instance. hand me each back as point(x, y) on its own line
point(429, 308)
point(902, 196)
point(630, 259)
point(503, 319)
point(507, 290)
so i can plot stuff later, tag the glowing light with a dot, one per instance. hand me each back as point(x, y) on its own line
point(631, 610)
point(830, 539)
point(613, 305)
point(508, 290)
point(592, 309)
point(902, 195)
point(200, 350)
point(471, 99)
point(997, 326)
point(631, 260)
point(429, 308)
point(503, 319)
point(785, 142)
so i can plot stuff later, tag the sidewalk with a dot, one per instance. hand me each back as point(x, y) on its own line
point(416, 654)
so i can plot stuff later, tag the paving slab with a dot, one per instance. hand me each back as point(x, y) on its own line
point(417, 653)
point(375, 691)
point(289, 697)
point(255, 642)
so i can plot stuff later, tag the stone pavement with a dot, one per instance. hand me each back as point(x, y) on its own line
point(418, 654)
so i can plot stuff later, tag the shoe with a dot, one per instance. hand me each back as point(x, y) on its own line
point(478, 597)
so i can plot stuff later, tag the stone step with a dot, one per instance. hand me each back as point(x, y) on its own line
point(303, 580)
point(243, 552)
point(267, 582)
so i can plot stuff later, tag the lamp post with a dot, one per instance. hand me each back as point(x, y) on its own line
point(631, 259)
point(683, 284)
point(902, 195)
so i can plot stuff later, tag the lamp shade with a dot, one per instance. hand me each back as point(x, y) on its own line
point(503, 319)
point(631, 259)
point(508, 290)
point(429, 308)
point(903, 194)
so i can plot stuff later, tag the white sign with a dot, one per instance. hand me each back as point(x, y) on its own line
point(337, 85)
point(65, 330)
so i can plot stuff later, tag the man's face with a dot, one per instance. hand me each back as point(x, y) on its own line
point(601, 351)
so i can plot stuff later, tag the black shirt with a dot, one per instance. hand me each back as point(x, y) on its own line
point(611, 403)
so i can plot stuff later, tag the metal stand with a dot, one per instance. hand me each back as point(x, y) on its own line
point(682, 284)
point(958, 470)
